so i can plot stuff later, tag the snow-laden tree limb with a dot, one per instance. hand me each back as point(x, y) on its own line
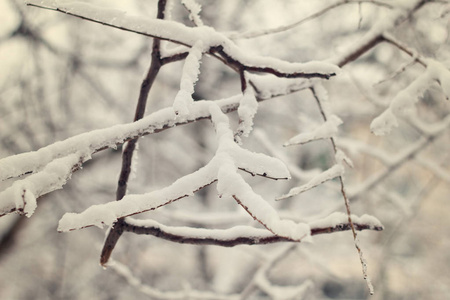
point(325, 131)
point(239, 235)
point(246, 111)
point(180, 34)
point(22, 195)
point(100, 139)
point(106, 214)
point(222, 168)
point(230, 237)
point(405, 99)
point(194, 11)
point(329, 174)
point(189, 77)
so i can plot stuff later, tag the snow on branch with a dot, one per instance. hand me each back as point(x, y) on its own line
point(333, 172)
point(248, 107)
point(108, 213)
point(100, 139)
point(231, 237)
point(244, 235)
point(405, 99)
point(337, 171)
point(222, 168)
point(189, 77)
point(327, 130)
point(178, 33)
point(194, 11)
point(22, 195)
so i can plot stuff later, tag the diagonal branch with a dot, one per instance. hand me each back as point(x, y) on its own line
point(376, 34)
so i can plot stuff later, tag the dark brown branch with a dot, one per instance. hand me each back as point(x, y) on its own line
point(127, 156)
point(240, 67)
point(242, 240)
point(243, 79)
point(173, 58)
point(67, 12)
point(10, 238)
point(360, 51)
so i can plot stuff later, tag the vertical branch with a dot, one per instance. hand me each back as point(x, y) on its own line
point(127, 155)
point(243, 79)
point(346, 200)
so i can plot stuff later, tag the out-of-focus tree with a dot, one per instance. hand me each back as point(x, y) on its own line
point(319, 108)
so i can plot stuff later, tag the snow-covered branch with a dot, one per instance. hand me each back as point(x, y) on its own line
point(178, 33)
point(22, 195)
point(244, 235)
point(403, 102)
point(194, 11)
point(325, 131)
point(221, 168)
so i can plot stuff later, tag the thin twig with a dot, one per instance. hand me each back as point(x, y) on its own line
point(346, 198)
point(411, 52)
point(265, 32)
